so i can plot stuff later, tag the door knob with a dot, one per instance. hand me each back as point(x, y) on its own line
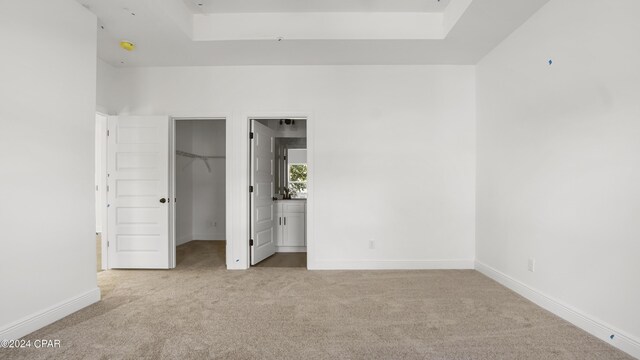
point(163, 200)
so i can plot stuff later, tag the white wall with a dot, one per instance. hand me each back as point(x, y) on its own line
point(100, 165)
point(106, 92)
point(200, 213)
point(47, 116)
point(297, 156)
point(209, 187)
point(184, 183)
point(393, 152)
point(559, 159)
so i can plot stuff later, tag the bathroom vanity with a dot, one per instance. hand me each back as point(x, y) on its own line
point(291, 225)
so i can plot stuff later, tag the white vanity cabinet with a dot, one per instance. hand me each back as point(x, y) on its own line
point(291, 227)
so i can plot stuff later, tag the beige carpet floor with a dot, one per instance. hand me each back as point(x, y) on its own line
point(200, 310)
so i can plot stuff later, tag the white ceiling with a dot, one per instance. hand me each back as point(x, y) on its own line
point(171, 33)
point(248, 6)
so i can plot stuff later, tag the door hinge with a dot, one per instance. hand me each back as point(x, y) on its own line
point(250, 242)
point(251, 135)
point(107, 244)
point(107, 188)
point(250, 189)
point(107, 132)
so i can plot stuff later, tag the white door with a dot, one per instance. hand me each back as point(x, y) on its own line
point(138, 191)
point(263, 237)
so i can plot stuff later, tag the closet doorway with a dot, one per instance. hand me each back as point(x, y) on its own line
point(199, 184)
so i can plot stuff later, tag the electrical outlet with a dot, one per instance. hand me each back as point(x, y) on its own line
point(532, 264)
point(372, 244)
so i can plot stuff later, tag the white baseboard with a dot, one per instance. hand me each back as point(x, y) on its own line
point(31, 323)
point(291, 249)
point(585, 322)
point(208, 236)
point(392, 265)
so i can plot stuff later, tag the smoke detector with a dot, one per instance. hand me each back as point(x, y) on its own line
point(127, 45)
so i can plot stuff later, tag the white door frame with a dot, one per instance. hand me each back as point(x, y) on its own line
point(172, 182)
point(101, 143)
point(244, 241)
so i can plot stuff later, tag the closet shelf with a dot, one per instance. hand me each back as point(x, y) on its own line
point(201, 157)
point(188, 154)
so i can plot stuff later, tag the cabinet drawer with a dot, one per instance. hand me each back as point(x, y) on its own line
point(293, 208)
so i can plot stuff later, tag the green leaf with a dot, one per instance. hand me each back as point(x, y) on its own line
point(298, 172)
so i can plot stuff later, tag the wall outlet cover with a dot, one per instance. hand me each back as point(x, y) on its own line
point(532, 264)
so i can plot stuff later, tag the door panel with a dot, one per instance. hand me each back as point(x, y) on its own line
point(262, 180)
point(138, 177)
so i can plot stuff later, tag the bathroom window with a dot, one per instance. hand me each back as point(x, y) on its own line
point(298, 180)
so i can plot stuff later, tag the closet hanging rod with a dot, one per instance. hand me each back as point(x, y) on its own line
point(191, 155)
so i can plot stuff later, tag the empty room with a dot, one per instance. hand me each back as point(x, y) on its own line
point(319, 179)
